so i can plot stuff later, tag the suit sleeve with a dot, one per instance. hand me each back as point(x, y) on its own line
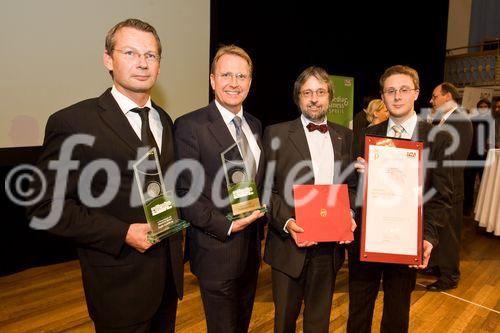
point(85, 226)
point(351, 179)
point(279, 211)
point(202, 213)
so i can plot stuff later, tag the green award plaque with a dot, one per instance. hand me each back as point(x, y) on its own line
point(241, 187)
point(159, 206)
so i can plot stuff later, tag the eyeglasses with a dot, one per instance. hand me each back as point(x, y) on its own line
point(309, 93)
point(230, 76)
point(404, 91)
point(133, 55)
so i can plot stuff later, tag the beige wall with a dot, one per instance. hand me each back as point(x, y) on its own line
point(51, 57)
point(458, 24)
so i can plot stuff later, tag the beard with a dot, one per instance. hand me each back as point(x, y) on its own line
point(315, 115)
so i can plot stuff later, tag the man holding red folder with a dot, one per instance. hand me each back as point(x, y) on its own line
point(307, 150)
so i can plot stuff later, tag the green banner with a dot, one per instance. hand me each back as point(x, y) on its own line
point(341, 107)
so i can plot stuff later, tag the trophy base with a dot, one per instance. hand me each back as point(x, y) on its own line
point(232, 217)
point(156, 238)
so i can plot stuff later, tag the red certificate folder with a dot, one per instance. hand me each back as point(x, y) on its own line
point(323, 212)
point(377, 224)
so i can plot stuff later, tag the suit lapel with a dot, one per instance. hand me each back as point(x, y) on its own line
point(255, 131)
point(418, 130)
point(167, 139)
point(114, 118)
point(218, 128)
point(337, 152)
point(298, 139)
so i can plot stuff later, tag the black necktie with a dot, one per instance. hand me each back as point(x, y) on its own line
point(313, 127)
point(146, 135)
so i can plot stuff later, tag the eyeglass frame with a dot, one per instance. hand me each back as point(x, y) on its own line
point(403, 91)
point(308, 93)
point(229, 76)
point(150, 57)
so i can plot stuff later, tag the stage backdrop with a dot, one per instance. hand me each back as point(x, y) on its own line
point(341, 107)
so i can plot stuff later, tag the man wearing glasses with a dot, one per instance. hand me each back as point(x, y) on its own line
point(449, 117)
point(224, 255)
point(399, 87)
point(131, 285)
point(316, 152)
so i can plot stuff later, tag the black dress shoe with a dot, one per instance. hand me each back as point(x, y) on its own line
point(434, 271)
point(441, 286)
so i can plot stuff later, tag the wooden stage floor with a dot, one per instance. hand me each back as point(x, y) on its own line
point(50, 298)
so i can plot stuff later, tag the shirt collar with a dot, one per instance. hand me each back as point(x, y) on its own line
point(447, 114)
point(306, 121)
point(125, 103)
point(408, 125)
point(228, 115)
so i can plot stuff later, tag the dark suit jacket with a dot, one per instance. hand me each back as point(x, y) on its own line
point(202, 136)
point(281, 251)
point(122, 286)
point(436, 209)
point(461, 133)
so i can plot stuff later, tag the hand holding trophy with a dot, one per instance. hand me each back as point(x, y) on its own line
point(242, 190)
point(159, 205)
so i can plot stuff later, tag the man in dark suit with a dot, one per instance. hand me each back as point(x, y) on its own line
point(399, 89)
point(305, 271)
point(448, 117)
point(224, 255)
point(131, 285)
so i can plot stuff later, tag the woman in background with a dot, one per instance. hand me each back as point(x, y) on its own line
point(376, 112)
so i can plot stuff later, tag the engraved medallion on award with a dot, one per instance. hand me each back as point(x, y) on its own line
point(159, 206)
point(242, 190)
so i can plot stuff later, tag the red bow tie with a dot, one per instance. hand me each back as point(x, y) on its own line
point(313, 127)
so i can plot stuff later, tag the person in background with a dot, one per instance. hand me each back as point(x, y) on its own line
point(496, 117)
point(360, 121)
point(376, 112)
point(479, 149)
point(445, 259)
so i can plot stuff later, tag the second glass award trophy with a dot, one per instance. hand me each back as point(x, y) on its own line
point(159, 205)
point(241, 187)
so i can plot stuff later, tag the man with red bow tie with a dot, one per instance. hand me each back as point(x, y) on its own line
point(316, 152)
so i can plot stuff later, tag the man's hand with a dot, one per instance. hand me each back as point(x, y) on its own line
point(427, 247)
point(137, 236)
point(242, 223)
point(360, 165)
point(294, 229)
point(353, 227)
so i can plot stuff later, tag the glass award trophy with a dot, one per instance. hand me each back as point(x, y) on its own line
point(241, 187)
point(159, 205)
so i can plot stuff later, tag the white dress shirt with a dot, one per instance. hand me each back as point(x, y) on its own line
point(126, 104)
point(447, 114)
point(228, 120)
point(321, 150)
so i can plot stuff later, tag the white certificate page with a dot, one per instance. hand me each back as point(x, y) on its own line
point(392, 200)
